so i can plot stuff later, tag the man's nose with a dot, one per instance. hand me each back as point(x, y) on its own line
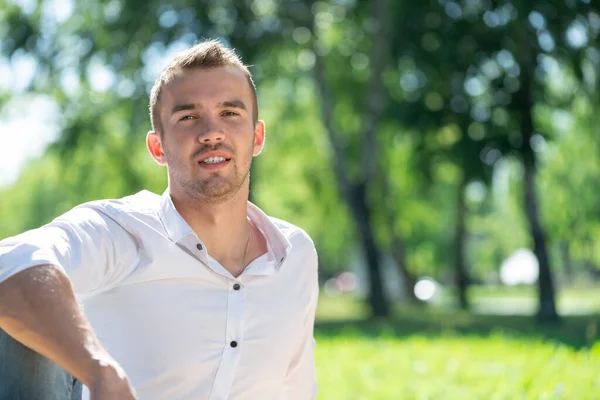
point(210, 131)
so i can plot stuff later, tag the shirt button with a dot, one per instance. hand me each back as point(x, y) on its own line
point(236, 286)
point(199, 246)
point(233, 343)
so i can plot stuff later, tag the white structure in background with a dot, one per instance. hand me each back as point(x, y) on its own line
point(521, 267)
point(426, 289)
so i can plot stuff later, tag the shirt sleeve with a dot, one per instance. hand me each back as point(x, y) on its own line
point(92, 249)
point(300, 381)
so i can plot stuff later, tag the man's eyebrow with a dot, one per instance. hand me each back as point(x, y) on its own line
point(235, 103)
point(182, 107)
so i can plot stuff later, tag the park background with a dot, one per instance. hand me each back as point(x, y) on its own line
point(444, 156)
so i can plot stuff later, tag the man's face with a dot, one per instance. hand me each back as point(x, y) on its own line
point(209, 136)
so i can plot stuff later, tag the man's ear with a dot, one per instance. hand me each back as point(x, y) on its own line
point(154, 145)
point(259, 137)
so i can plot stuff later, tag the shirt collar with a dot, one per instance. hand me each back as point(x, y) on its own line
point(177, 228)
point(279, 243)
point(173, 222)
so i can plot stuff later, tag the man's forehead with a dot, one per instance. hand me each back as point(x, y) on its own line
point(218, 83)
point(213, 76)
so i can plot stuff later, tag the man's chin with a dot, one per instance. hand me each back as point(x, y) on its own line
point(214, 190)
point(215, 194)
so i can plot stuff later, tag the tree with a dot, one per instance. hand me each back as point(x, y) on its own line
point(355, 188)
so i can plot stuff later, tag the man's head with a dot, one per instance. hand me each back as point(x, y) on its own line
point(205, 128)
point(205, 55)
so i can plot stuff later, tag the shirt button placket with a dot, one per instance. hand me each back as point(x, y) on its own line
point(235, 314)
point(233, 339)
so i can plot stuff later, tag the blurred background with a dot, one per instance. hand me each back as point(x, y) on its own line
point(444, 156)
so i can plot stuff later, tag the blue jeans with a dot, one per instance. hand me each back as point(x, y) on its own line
point(27, 375)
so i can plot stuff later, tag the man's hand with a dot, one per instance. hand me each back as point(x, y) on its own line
point(111, 383)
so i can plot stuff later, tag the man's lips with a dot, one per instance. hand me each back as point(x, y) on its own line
point(212, 154)
point(214, 165)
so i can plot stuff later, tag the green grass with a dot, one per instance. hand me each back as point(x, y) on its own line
point(439, 353)
point(453, 368)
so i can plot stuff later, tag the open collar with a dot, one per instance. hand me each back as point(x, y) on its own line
point(177, 228)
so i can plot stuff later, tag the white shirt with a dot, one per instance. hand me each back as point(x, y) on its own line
point(181, 325)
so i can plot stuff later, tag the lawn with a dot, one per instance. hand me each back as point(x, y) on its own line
point(454, 368)
point(440, 354)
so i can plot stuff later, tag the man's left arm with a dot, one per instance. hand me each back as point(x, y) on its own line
point(300, 381)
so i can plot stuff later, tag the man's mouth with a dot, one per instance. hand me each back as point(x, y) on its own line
point(214, 160)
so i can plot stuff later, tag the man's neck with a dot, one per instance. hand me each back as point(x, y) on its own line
point(222, 227)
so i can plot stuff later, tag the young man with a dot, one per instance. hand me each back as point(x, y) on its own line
point(193, 295)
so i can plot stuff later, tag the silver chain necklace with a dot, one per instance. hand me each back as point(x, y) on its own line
point(243, 266)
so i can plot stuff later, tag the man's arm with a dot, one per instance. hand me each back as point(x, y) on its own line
point(83, 251)
point(300, 380)
point(38, 308)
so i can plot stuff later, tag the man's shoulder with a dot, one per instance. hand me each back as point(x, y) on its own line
point(130, 212)
point(143, 202)
point(292, 232)
point(301, 246)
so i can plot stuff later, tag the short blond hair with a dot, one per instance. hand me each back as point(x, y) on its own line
point(205, 55)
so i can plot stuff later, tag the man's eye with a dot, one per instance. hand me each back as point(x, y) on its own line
point(229, 114)
point(186, 118)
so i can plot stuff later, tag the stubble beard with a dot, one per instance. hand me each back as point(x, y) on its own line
point(215, 189)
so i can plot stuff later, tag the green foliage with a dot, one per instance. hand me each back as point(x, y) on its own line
point(571, 174)
point(35, 201)
point(293, 178)
point(450, 86)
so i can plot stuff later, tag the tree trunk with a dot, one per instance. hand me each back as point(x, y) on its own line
point(547, 307)
point(461, 275)
point(408, 279)
point(567, 262)
point(354, 191)
point(355, 197)
point(377, 297)
point(524, 102)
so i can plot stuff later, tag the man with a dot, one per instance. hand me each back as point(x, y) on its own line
point(193, 295)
